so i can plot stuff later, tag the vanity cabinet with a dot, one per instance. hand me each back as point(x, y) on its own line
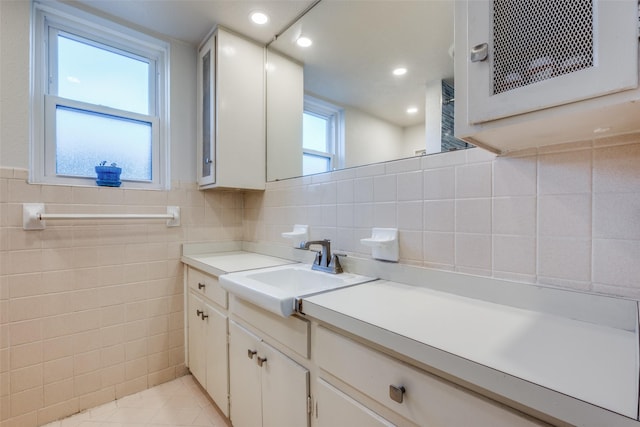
point(418, 397)
point(207, 325)
point(231, 148)
point(340, 409)
point(267, 388)
point(530, 74)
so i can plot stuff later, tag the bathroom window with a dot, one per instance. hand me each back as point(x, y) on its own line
point(99, 95)
point(322, 129)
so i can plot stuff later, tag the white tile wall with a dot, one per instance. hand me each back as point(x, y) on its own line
point(93, 311)
point(565, 216)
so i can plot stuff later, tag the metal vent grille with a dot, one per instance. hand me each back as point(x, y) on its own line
point(536, 40)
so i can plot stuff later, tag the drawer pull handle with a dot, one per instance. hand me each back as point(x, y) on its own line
point(201, 285)
point(204, 316)
point(261, 361)
point(396, 393)
point(251, 353)
point(199, 312)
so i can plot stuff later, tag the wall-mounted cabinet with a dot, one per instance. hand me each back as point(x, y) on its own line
point(231, 113)
point(530, 74)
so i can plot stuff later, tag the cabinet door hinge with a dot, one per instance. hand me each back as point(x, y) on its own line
point(309, 405)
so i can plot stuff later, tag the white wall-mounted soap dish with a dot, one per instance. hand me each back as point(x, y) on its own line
point(384, 244)
point(299, 235)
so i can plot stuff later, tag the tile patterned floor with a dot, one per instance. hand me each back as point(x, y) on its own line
point(178, 403)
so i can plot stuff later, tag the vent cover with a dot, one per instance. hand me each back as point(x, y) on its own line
point(536, 40)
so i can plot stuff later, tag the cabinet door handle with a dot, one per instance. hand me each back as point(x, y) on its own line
point(199, 312)
point(251, 353)
point(261, 361)
point(201, 285)
point(203, 316)
point(479, 52)
point(208, 161)
point(396, 393)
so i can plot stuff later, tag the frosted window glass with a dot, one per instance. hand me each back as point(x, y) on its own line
point(314, 131)
point(84, 139)
point(314, 164)
point(98, 76)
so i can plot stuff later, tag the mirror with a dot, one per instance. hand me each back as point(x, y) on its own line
point(347, 74)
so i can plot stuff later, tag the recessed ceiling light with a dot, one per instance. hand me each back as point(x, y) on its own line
point(304, 41)
point(400, 71)
point(259, 18)
point(412, 110)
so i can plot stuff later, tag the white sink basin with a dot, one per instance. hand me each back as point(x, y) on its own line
point(277, 288)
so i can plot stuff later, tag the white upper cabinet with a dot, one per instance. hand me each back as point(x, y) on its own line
point(532, 73)
point(231, 113)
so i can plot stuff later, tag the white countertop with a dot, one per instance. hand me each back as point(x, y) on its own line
point(565, 355)
point(228, 262)
point(591, 362)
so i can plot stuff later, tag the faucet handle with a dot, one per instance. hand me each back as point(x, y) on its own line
point(318, 259)
point(334, 264)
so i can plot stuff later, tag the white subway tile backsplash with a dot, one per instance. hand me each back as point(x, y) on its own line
point(441, 160)
point(385, 188)
point(565, 173)
point(515, 176)
point(411, 246)
point(404, 165)
point(477, 154)
point(385, 215)
point(473, 251)
point(615, 169)
point(410, 216)
point(370, 170)
point(616, 215)
point(363, 190)
point(473, 216)
point(439, 248)
point(514, 254)
point(439, 184)
point(439, 215)
point(615, 262)
point(564, 258)
point(364, 215)
point(345, 214)
point(410, 186)
point(515, 216)
point(473, 181)
point(345, 192)
point(564, 215)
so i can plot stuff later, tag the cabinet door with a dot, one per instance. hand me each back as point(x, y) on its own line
point(197, 352)
point(217, 359)
point(206, 139)
point(337, 409)
point(285, 388)
point(244, 377)
point(543, 54)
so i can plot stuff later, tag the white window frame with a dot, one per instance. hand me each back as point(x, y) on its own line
point(48, 21)
point(335, 118)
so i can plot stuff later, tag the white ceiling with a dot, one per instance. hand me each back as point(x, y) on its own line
point(357, 42)
point(191, 20)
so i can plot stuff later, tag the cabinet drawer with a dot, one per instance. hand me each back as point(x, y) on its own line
point(291, 331)
point(427, 399)
point(336, 408)
point(207, 285)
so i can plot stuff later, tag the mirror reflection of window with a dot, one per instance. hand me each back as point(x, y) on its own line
point(322, 136)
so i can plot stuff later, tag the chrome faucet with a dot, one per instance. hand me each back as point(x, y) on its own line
point(324, 261)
